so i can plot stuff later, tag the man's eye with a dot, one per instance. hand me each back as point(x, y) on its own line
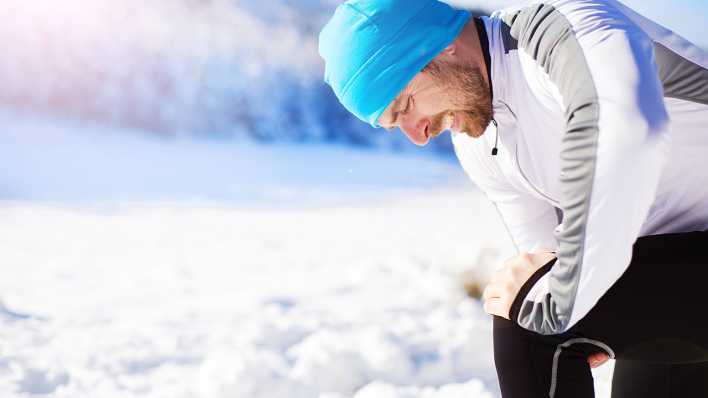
point(408, 105)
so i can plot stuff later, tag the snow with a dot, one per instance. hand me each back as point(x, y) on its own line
point(140, 262)
point(141, 267)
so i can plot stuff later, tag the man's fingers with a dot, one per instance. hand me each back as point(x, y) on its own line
point(495, 306)
point(598, 359)
point(493, 290)
point(490, 305)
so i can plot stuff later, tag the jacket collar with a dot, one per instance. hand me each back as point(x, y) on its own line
point(484, 44)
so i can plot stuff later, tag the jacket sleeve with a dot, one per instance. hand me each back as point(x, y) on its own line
point(613, 149)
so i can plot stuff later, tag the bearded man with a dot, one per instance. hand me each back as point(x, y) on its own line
point(586, 125)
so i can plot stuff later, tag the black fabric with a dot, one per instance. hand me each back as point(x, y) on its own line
point(652, 319)
point(484, 44)
point(524, 359)
point(638, 379)
point(524, 291)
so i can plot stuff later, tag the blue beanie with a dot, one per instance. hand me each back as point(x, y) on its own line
point(374, 48)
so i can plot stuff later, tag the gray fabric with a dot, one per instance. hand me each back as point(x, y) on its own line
point(546, 35)
point(559, 215)
point(680, 77)
point(566, 344)
point(510, 43)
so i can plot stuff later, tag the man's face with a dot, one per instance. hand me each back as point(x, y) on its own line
point(444, 96)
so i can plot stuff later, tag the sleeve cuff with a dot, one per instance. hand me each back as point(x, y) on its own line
point(526, 288)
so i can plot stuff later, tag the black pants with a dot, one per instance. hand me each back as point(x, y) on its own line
point(654, 320)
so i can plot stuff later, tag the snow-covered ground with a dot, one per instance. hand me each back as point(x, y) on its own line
point(138, 267)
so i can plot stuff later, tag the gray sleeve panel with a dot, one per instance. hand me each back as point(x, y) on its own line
point(510, 42)
point(680, 77)
point(547, 36)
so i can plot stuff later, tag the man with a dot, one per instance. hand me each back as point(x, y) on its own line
point(587, 126)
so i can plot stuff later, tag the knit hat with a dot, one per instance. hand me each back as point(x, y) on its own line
point(374, 48)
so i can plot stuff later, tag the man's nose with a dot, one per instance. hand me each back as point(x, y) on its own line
point(416, 130)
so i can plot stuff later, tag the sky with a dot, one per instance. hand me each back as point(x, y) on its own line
point(686, 17)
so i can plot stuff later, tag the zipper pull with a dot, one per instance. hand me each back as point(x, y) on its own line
point(496, 140)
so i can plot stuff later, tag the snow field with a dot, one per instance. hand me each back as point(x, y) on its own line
point(139, 267)
point(220, 302)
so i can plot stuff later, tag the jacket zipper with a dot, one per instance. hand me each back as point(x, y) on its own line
point(538, 191)
point(516, 160)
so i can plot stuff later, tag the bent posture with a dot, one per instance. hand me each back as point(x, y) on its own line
point(586, 125)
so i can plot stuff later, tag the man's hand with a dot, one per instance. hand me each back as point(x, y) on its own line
point(506, 282)
point(597, 360)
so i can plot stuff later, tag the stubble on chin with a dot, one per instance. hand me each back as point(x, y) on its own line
point(472, 126)
point(471, 98)
point(470, 123)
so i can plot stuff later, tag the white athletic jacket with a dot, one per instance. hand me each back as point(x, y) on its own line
point(602, 122)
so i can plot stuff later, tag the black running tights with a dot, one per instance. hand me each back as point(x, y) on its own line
point(654, 321)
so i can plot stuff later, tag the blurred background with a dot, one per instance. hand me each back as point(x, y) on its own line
point(187, 211)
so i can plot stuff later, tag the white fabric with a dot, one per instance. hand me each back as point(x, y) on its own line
point(650, 177)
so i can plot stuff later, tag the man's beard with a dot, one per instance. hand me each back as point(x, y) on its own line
point(470, 98)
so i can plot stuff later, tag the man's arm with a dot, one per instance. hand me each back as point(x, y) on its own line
point(613, 149)
point(529, 221)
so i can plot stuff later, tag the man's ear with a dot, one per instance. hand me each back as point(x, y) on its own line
point(449, 53)
point(451, 49)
